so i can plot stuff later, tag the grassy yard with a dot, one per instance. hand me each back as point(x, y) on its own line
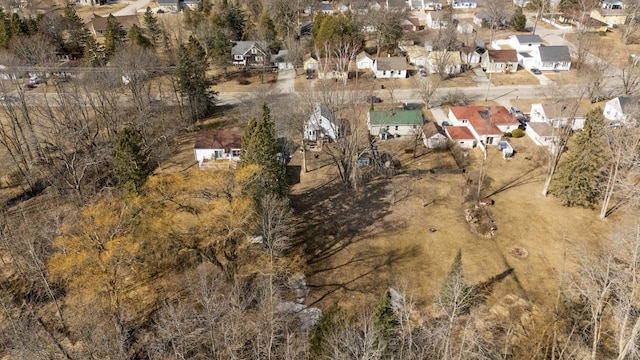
point(521, 77)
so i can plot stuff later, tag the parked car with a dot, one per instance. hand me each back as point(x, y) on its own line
point(28, 86)
point(536, 71)
point(515, 111)
point(373, 99)
point(34, 80)
point(8, 98)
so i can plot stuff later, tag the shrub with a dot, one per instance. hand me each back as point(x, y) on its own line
point(602, 33)
point(244, 81)
point(517, 133)
point(507, 134)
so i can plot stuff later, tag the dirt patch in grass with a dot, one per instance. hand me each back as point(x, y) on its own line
point(521, 77)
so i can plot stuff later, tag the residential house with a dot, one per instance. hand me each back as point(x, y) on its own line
point(558, 114)
point(364, 61)
point(487, 124)
point(526, 60)
point(248, 53)
point(432, 137)
point(499, 61)
point(411, 24)
point(310, 63)
point(471, 55)
point(590, 25)
point(98, 24)
point(461, 135)
point(521, 3)
point(390, 67)
point(524, 43)
point(359, 7)
point(394, 123)
point(417, 55)
point(555, 57)
point(481, 17)
point(465, 28)
point(445, 62)
point(415, 5)
point(169, 6)
point(542, 134)
point(463, 4)
point(395, 4)
point(281, 60)
point(436, 20)
point(326, 8)
point(421, 5)
point(432, 5)
point(612, 4)
point(622, 108)
point(321, 124)
point(191, 4)
point(217, 145)
point(610, 17)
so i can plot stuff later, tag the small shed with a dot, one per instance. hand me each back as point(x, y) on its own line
point(506, 148)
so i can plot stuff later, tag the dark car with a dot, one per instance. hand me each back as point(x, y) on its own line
point(536, 71)
point(373, 99)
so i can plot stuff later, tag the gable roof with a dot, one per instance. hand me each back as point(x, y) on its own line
point(168, 2)
point(625, 104)
point(562, 111)
point(363, 55)
point(218, 139)
point(554, 53)
point(484, 119)
point(451, 57)
point(99, 23)
point(430, 129)
point(527, 39)
point(242, 47)
point(503, 56)
point(542, 129)
point(395, 117)
point(459, 133)
point(326, 113)
point(391, 63)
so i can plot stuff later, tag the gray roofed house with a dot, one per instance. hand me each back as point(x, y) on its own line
point(555, 57)
point(248, 53)
point(390, 67)
point(169, 5)
point(522, 39)
point(322, 123)
point(621, 109)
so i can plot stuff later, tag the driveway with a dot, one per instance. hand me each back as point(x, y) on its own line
point(285, 82)
point(133, 8)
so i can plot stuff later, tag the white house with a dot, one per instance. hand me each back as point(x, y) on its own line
point(465, 28)
point(169, 6)
point(499, 61)
point(621, 109)
point(217, 145)
point(448, 62)
point(463, 4)
point(612, 4)
point(390, 67)
point(524, 43)
point(364, 61)
point(436, 20)
point(541, 133)
point(322, 123)
point(281, 60)
point(394, 123)
point(558, 114)
point(461, 135)
point(555, 57)
point(432, 138)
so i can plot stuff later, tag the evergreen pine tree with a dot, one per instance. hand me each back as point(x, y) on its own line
point(518, 20)
point(131, 166)
point(113, 37)
point(327, 322)
point(92, 56)
point(386, 321)
point(578, 181)
point(456, 297)
point(18, 27)
point(136, 38)
point(192, 79)
point(260, 147)
point(219, 48)
point(5, 30)
point(76, 31)
point(154, 31)
point(31, 26)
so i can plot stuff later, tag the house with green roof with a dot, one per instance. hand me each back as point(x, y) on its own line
point(394, 123)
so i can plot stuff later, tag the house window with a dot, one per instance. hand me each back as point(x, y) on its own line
point(415, 127)
point(254, 51)
point(396, 127)
point(238, 57)
point(387, 127)
point(235, 153)
point(384, 72)
point(259, 58)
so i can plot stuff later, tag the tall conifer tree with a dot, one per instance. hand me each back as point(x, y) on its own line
point(192, 79)
point(578, 180)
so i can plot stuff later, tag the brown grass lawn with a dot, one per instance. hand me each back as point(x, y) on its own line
point(86, 12)
point(563, 77)
point(256, 82)
point(359, 243)
point(462, 80)
point(521, 77)
point(609, 47)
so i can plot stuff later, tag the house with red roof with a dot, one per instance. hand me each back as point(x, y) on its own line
point(461, 135)
point(486, 123)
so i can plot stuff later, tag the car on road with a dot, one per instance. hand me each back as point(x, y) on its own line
point(536, 71)
point(515, 111)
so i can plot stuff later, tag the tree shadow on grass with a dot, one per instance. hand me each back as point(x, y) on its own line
point(525, 178)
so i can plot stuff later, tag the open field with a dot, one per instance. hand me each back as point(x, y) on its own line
point(360, 243)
